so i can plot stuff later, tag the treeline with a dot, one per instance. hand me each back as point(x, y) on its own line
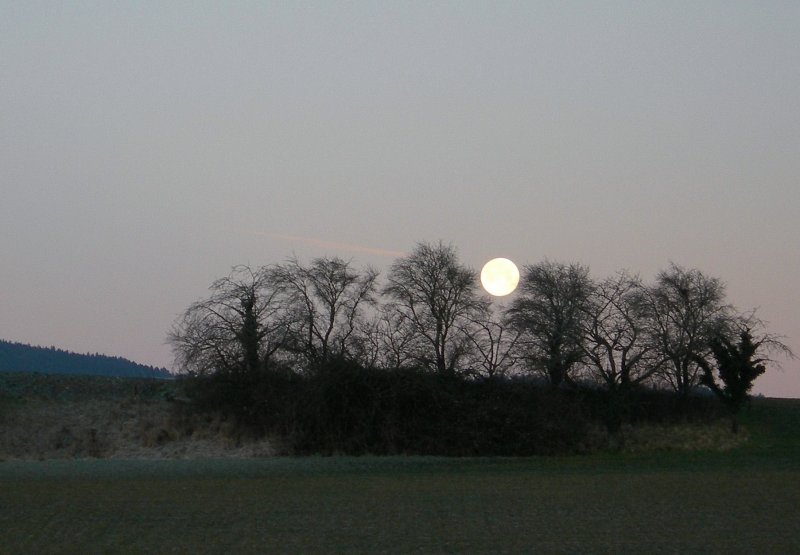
point(19, 357)
point(322, 350)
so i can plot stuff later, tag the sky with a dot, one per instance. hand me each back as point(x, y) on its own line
point(148, 147)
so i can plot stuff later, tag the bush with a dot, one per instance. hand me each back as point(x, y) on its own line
point(343, 408)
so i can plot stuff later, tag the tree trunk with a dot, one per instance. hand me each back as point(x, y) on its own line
point(556, 377)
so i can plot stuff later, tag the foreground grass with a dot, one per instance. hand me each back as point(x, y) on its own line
point(741, 501)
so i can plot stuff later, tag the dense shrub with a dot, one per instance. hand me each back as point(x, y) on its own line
point(652, 406)
point(343, 408)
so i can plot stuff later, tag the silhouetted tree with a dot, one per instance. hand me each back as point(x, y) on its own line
point(389, 340)
point(493, 344)
point(620, 351)
point(686, 310)
point(549, 312)
point(234, 331)
point(434, 293)
point(324, 303)
point(738, 366)
point(618, 343)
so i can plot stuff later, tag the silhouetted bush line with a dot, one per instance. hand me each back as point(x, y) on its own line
point(325, 357)
point(343, 408)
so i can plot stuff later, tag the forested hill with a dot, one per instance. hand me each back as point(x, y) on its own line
point(18, 357)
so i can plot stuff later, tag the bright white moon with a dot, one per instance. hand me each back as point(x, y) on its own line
point(499, 277)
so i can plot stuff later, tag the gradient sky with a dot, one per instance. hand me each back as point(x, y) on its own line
point(147, 147)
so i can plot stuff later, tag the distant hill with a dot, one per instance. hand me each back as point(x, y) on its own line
point(18, 357)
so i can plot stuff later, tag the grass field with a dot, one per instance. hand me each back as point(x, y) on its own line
point(742, 501)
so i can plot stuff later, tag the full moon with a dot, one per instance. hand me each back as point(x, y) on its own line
point(499, 277)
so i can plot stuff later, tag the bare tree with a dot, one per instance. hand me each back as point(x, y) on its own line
point(236, 330)
point(687, 310)
point(389, 340)
point(324, 302)
point(549, 312)
point(493, 344)
point(620, 350)
point(434, 294)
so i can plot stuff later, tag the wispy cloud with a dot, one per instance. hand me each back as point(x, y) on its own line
point(335, 245)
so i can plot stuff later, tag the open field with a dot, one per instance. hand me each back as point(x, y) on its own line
point(390, 505)
point(743, 500)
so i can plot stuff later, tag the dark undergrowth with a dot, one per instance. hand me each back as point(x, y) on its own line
point(345, 409)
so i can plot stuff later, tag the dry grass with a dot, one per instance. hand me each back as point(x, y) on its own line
point(155, 429)
point(713, 436)
point(116, 426)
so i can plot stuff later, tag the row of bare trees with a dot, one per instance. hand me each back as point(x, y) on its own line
point(561, 325)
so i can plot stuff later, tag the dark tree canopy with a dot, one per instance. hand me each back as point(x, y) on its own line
point(686, 310)
point(324, 303)
point(389, 340)
point(549, 312)
point(434, 293)
point(738, 364)
point(236, 330)
point(493, 344)
point(620, 349)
